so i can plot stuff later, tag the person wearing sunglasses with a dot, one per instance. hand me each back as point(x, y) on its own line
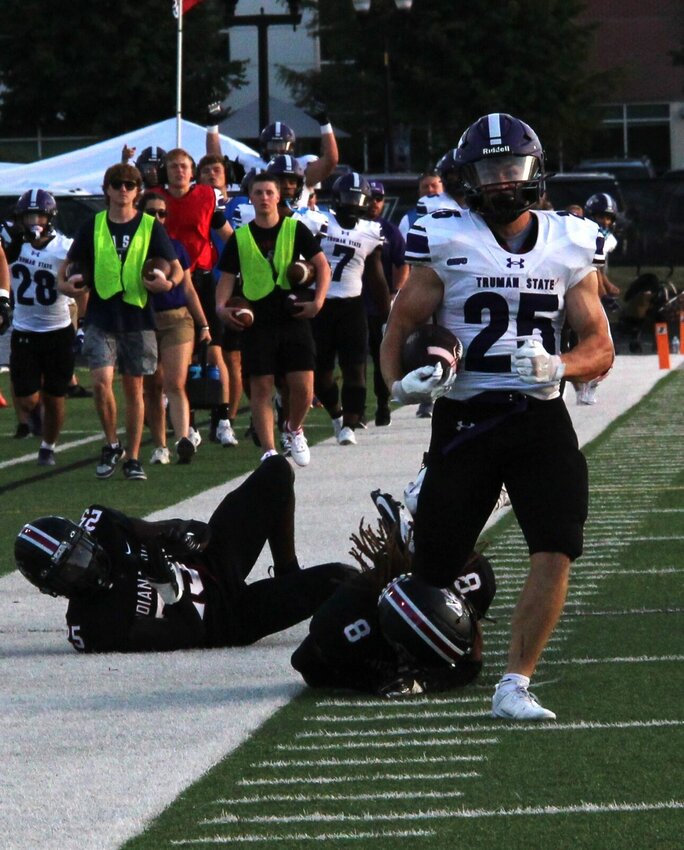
point(105, 265)
point(176, 313)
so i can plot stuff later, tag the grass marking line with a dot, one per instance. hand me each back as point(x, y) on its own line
point(641, 659)
point(336, 762)
point(386, 704)
point(391, 733)
point(416, 715)
point(433, 814)
point(365, 745)
point(359, 777)
point(303, 798)
point(501, 725)
point(303, 836)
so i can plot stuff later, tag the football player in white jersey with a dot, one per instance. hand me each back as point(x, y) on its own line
point(503, 277)
point(277, 138)
point(42, 356)
point(351, 245)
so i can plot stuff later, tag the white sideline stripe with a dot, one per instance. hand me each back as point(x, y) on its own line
point(655, 571)
point(336, 762)
point(641, 659)
point(408, 742)
point(374, 777)
point(304, 798)
point(15, 461)
point(303, 836)
point(431, 814)
point(416, 715)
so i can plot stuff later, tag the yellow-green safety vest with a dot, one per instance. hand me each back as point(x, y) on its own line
point(255, 270)
point(111, 275)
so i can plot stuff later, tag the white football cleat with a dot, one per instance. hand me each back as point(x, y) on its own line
point(160, 455)
point(299, 448)
point(346, 437)
point(225, 434)
point(517, 703)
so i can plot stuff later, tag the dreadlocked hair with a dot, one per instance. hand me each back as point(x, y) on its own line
point(381, 554)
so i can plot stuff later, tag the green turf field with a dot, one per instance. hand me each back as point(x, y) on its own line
point(28, 490)
point(338, 770)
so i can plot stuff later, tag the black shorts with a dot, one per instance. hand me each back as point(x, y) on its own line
point(341, 330)
point(205, 286)
point(278, 347)
point(231, 340)
point(42, 361)
point(528, 445)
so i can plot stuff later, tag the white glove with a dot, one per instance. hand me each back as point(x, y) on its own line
point(535, 365)
point(423, 384)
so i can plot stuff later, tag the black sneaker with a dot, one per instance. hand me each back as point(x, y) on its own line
point(108, 460)
point(46, 457)
point(36, 422)
point(185, 449)
point(23, 431)
point(132, 469)
point(382, 416)
point(77, 391)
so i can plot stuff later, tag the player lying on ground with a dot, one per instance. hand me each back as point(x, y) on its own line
point(386, 632)
point(136, 586)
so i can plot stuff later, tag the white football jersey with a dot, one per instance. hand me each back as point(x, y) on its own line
point(346, 252)
point(492, 296)
point(38, 305)
point(427, 204)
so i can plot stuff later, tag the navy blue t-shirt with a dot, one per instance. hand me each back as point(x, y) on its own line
point(114, 315)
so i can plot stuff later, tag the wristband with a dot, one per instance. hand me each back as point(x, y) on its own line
point(326, 129)
point(4, 294)
point(204, 327)
point(213, 129)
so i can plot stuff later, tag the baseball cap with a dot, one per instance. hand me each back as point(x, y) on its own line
point(377, 189)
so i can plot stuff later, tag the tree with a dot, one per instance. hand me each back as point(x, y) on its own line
point(103, 68)
point(452, 62)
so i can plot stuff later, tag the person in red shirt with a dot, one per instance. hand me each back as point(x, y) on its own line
point(193, 212)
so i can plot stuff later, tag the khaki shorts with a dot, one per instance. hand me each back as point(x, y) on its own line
point(174, 327)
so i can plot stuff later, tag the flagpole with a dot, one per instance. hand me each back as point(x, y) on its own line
point(179, 70)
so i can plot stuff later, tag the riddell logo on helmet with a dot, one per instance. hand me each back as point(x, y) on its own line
point(497, 149)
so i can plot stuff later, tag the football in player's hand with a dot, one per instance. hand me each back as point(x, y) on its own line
point(300, 273)
point(72, 270)
point(429, 345)
point(242, 312)
point(152, 263)
point(300, 295)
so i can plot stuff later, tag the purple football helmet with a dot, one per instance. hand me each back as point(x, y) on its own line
point(502, 165)
point(276, 138)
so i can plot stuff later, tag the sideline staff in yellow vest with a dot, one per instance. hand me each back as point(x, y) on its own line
point(110, 252)
point(278, 343)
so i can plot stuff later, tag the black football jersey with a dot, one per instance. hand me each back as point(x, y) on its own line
point(345, 646)
point(130, 616)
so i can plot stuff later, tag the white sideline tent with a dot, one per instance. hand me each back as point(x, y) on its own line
point(83, 169)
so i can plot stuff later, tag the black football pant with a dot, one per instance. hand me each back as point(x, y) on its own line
point(261, 510)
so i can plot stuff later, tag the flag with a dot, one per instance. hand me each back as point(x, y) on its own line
point(186, 4)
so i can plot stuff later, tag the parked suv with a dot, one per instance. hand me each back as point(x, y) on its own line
point(640, 168)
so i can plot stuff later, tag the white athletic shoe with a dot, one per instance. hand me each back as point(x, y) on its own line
point(338, 425)
point(160, 455)
point(225, 434)
point(517, 703)
point(299, 448)
point(586, 393)
point(347, 437)
point(195, 437)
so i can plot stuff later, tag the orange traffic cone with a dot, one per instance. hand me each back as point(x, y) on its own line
point(3, 401)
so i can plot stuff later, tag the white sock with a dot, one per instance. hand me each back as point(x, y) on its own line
point(513, 680)
point(45, 445)
point(269, 453)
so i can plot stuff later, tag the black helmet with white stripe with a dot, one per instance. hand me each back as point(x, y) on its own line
point(61, 558)
point(428, 626)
